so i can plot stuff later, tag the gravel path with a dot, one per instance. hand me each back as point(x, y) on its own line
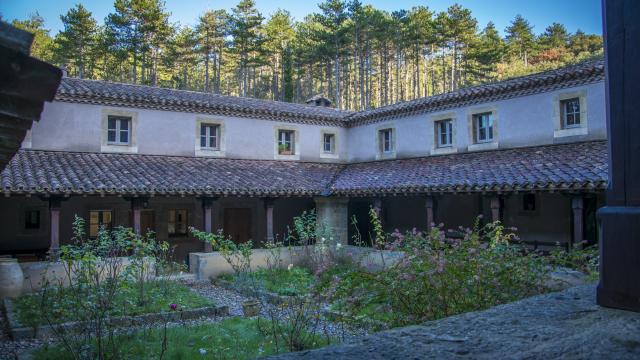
point(233, 299)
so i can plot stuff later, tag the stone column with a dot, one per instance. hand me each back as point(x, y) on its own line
point(496, 208)
point(620, 218)
point(207, 210)
point(268, 210)
point(577, 206)
point(430, 206)
point(55, 203)
point(333, 214)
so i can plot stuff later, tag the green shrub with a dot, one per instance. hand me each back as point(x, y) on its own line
point(441, 276)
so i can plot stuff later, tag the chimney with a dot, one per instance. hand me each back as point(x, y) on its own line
point(319, 100)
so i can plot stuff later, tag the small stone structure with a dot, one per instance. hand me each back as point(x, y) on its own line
point(208, 265)
point(562, 325)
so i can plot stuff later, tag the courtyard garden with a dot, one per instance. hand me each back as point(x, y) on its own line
point(308, 290)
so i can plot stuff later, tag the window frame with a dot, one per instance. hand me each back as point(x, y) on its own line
point(107, 146)
point(489, 129)
point(27, 225)
point(118, 130)
point(564, 114)
point(332, 143)
point(448, 133)
point(291, 142)
point(383, 141)
point(100, 222)
point(207, 127)
point(175, 222)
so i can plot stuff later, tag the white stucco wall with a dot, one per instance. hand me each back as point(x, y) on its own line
point(521, 121)
point(78, 127)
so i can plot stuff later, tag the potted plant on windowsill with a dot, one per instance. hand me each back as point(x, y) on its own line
point(284, 150)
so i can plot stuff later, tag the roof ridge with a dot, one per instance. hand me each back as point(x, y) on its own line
point(205, 93)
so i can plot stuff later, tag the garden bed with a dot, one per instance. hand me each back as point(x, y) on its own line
point(27, 320)
point(233, 338)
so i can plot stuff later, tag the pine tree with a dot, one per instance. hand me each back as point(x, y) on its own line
point(279, 34)
point(333, 18)
point(76, 43)
point(247, 40)
point(212, 29)
point(520, 38)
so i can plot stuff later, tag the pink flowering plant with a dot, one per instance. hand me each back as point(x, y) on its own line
point(442, 275)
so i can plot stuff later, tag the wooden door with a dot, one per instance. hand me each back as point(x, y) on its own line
point(237, 224)
point(147, 221)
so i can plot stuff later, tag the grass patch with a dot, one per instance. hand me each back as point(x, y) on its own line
point(297, 281)
point(234, 338)
point(63, 305)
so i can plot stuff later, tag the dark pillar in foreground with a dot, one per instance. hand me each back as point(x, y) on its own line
point(207, 210)
point(620, 219)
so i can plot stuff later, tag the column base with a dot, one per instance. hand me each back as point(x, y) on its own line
point(619, 257)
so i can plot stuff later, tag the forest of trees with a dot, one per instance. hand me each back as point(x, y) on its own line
point(358, 56)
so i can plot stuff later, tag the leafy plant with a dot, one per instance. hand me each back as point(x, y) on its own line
point(441, 276)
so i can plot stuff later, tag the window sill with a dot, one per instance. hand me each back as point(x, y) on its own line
point(444, 150)
point(483, 146)
point(127, 149)
point(287, 157)
point(570, 132)
point(385, 156)
point(209, 153)
point(324, 155)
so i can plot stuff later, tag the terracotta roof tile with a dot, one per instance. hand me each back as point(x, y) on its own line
point(566, 167)
point(51, 172)
point(119, 94)
point(541, 168)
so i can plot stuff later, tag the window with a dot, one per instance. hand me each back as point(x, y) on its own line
point(444, 133)
point(97, 219)
point(32, 219)
point(286, 141)
point(483, 124)
point(386, 140)
point(529, 202)
point(177, 224)
point(118, 130)
point(328, 143)
point(570, 112)
point(210, 136)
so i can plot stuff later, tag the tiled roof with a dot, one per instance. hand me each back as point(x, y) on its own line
point(567, 167)
point(118, 94)
point(574, 166)
point(575, 75)
point(53, 172)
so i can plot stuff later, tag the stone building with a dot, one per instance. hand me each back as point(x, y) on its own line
point(529, 151)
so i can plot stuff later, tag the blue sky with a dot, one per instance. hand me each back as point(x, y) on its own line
point(575, 14)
